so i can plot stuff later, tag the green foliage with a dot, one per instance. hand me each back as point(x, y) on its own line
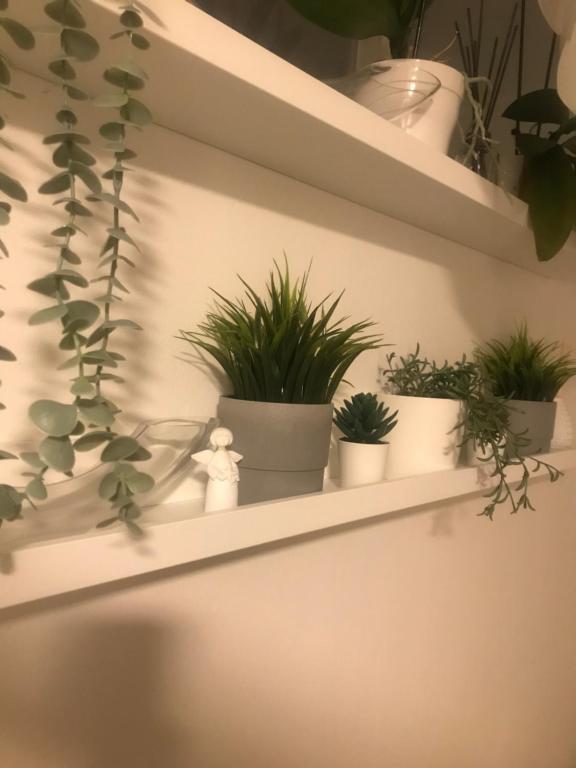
point(281, 349)
point(548, 183)
point(485, 422)
point(522, 368)
point(363, 419)
point(416, 376)
point(359, 19)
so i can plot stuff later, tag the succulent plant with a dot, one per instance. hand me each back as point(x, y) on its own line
point(363, 419)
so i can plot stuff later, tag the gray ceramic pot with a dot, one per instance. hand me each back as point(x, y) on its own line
point(536, 417)
point(285, 446)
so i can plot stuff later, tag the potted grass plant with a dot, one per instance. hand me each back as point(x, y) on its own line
point(362, 450)
point(285, 358)
point(429, 400)
point(422, 97)
point(528, 374)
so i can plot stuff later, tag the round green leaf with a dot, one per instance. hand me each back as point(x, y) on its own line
point(70, 136)
point(123, 79)
point(139, 41)
point(108, 486)
point(47, 315)
point(82, 386)
point(120, 448)
point(37, 489)
point(136, 112)
point(92, 440)
point(10, 503)
point(66, 117)
point(62, 69)
point(78, 44)
point(58, 453)
point(47, 286)
point(65, 13)
point(131, 19)
point(75, 93)
point(67, 152)
point(140, 483)
point(96, 412)
point(33, 459)
point(12, 188)
point(111, 100)
point(20, 35)
point(53, 418)
point(80, 315)
point(59, 183)
point(113, 131)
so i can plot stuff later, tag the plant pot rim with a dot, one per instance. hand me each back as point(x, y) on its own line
point(530, 402)
point(430, 399)
point(268, 403)
point(419, 60)
point(353, 442)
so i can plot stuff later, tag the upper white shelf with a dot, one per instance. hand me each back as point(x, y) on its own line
point(180, 533)
point(213, 84)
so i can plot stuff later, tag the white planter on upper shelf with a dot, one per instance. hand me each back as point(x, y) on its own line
point(421, 97)
point(426, 438)
point(361, 463)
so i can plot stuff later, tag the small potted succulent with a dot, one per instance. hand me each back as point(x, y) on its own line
point(285, 359)
point(528, 374)
point(429, 400)
point(364, 423)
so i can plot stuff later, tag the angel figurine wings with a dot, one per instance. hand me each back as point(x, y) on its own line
point(221, 465)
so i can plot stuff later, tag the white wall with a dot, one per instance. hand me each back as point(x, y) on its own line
point(433, 639)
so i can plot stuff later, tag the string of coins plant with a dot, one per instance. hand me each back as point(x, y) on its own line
point(90, 417)
point(9, 186)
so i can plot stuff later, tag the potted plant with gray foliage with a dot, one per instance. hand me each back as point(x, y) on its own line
point(362, 450)
point(528, 374)
point(285, 359)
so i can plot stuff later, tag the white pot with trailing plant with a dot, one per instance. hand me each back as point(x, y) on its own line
point(427, 398)
point(528, 374)
point(285, 359)
point(422, 97)
point(362, 450)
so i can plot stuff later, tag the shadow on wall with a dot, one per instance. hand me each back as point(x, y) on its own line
point(101, 703)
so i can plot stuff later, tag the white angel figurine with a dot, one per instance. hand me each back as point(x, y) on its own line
point(220, 464)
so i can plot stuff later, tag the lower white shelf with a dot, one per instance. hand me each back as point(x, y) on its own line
point(179, 533)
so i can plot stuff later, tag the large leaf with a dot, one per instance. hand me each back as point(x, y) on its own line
point(59, 183)
point(120, 448)
point(356, 19)
point(48, 314)
point(58, 453)
point(12, 188)
point(78, 44)
point(80, 315)
point(136, 112)
point(65, 13)
point(10, 503)
point(549, 188)
point(62, 69)
point(53, 418)
point(543, 106)
point(20, 35)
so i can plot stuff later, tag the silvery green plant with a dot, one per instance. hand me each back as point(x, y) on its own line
point(87, 420)
point(363, 419)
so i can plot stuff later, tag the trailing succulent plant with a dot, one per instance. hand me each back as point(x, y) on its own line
point(88, 419)
point(522, 368)
point(485, 421)
point(281, 348)
point(363, 419)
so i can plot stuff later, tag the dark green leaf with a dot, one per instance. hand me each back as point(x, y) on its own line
point(65, 13)
point(55, 419)
point(531, 145)
point(6, 456)
point(105, 197)
point(58, 453)
point(131, 19)
point(112, 131)
point(62, 69)
point(542, 106)
point(136, 112)
point(21, 36)
point(12, 188)
point(37, 489)
point(88, 176)
point(66, 117)
point(140, 483)
point(10, 503)
point(70, 136)
point(67, 152)
point(82, 386)
point(47, 315)
point(59, 183)
point(80, 45)
point(92, 440)
point(108, 488)
point(33, 459)
point(80, 315)
point(6, 355)
point(124, 79)
point(70, 276)
point(48, 286)
point(139, 41)
point(120, 448)
point(5, 74)
point(76, 93)
point(96, 412)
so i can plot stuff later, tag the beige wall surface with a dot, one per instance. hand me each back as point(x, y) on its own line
point(429, 640)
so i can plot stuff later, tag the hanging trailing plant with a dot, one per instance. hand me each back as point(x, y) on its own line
point(87, 421)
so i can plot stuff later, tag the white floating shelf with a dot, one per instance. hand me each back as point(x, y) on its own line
point(213, 84)
point(180, 533)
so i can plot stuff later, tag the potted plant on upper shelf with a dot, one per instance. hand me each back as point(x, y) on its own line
point(285, 359)
point(528, 374)
point(429, 401)
point(364, 423)
point(548, 180)
point(421, 97)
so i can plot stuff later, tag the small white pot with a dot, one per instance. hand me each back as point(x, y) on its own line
point(361, 463)
point(399, 84)
point(425, 438)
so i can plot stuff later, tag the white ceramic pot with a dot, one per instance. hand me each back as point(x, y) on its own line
point(425, 438)
point(421, 97)
point(563, 429)
point(361, 463)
